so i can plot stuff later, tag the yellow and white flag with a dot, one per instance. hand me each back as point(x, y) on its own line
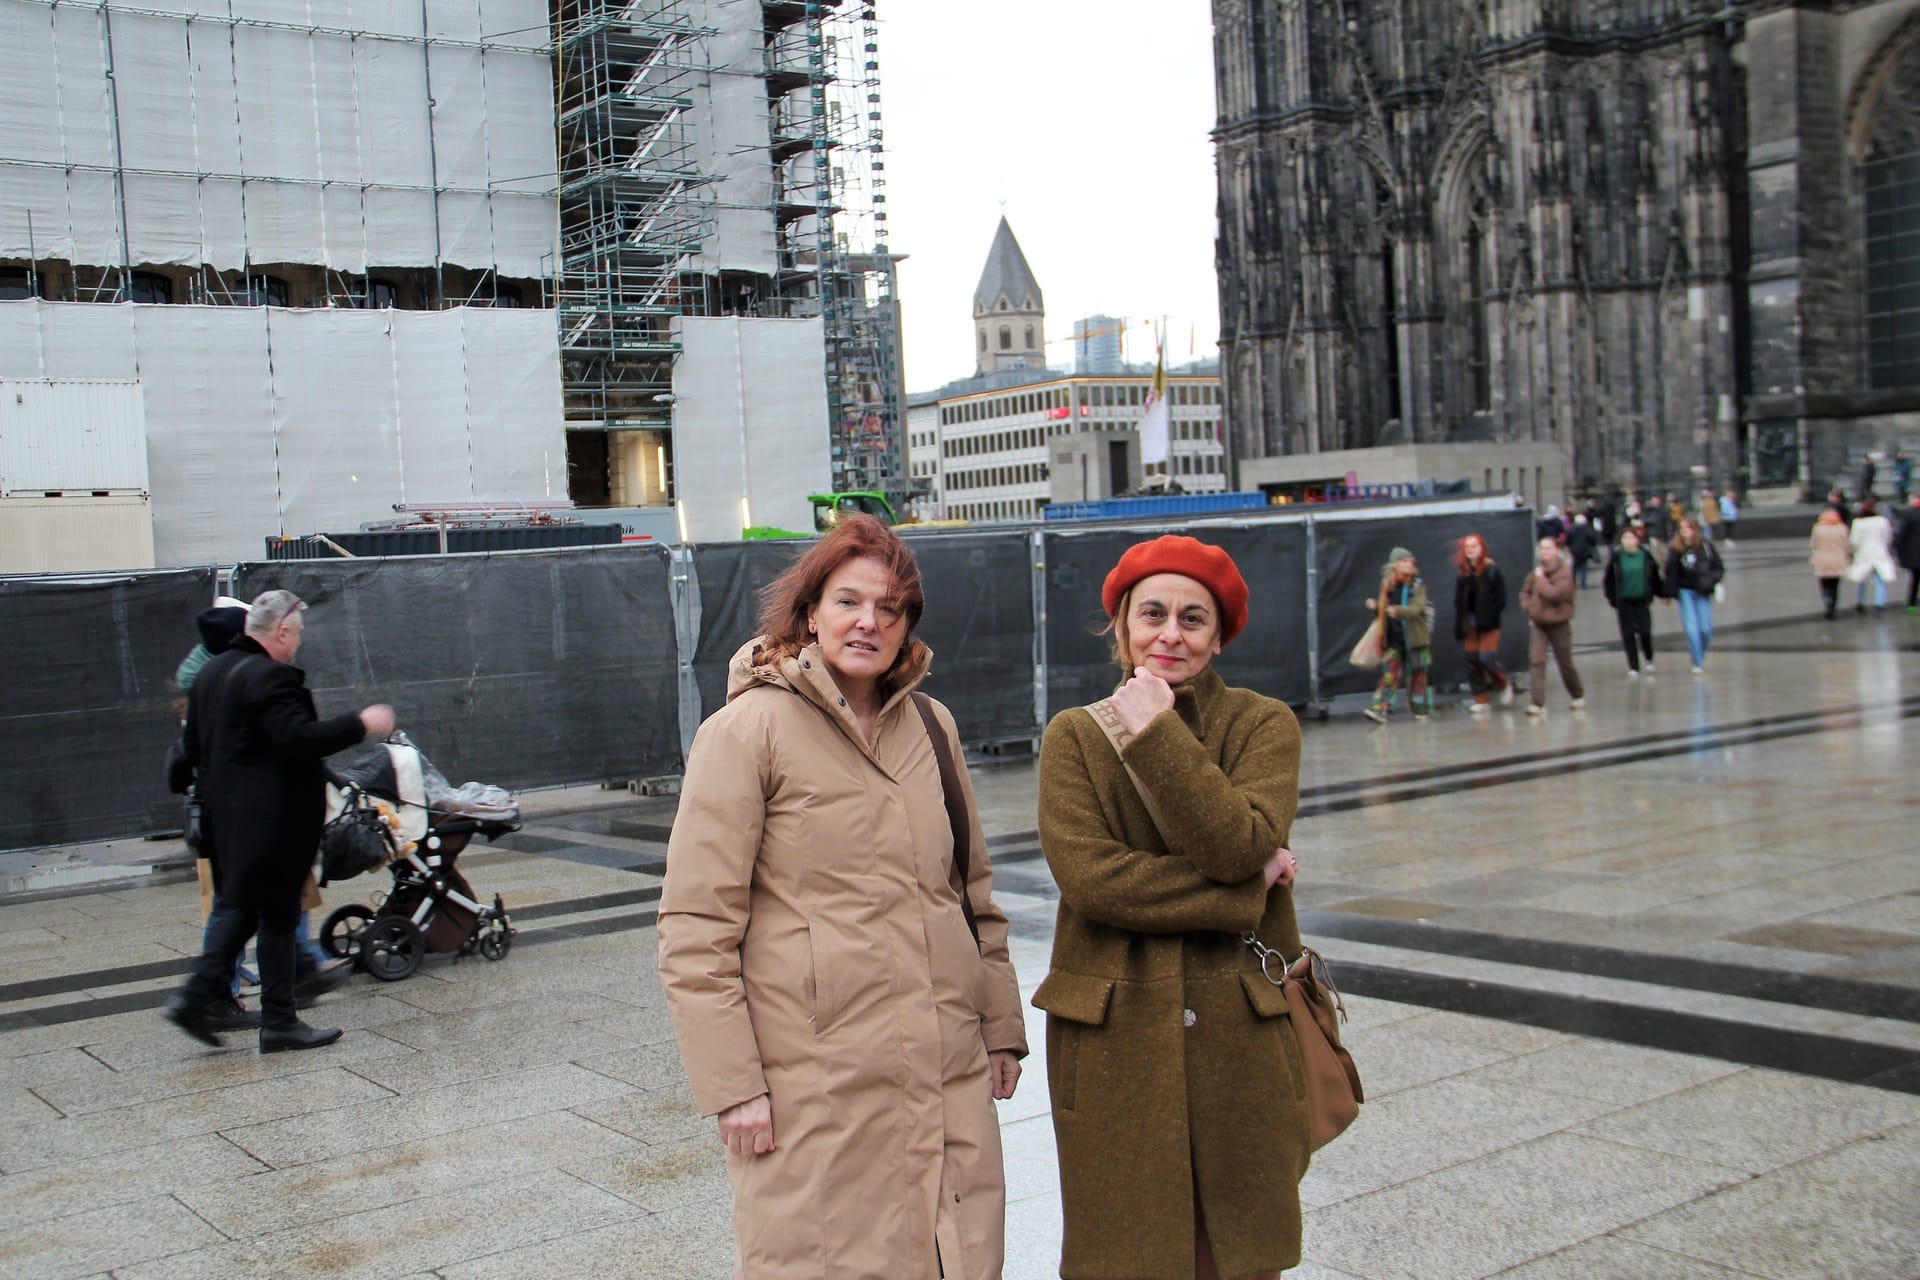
point(1156, 416)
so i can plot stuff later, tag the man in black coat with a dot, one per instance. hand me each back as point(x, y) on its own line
point(258, 744)
point(1907, 547)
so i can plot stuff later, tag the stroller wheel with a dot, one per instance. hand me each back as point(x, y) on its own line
point(495, 942)
point(341, 934)
point(392, 948)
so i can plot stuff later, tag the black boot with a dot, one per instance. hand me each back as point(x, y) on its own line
point(194, 1018)
point(311, 981)
point(297, 1036)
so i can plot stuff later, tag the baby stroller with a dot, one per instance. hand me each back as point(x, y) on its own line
point(390, 807)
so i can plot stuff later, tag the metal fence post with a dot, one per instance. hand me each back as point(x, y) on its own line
point(1313, 617)
point(685, 582)
point(1039, 559)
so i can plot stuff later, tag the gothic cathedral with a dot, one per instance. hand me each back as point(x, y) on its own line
point(1671, 236)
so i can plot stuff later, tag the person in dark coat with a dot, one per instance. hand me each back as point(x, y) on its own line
point(1479, 598)
point(258, 744)
point(1631, 585)
point(1906, 545)
point(1583, 542)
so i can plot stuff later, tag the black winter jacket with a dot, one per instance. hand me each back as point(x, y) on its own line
point(1906, 541)
point(254, 736)
point(1697, 570)
point(1478, 600)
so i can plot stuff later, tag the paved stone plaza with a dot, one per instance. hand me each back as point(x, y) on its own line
point(1635, 993)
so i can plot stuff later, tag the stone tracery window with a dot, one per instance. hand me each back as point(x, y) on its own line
point(1890, 185)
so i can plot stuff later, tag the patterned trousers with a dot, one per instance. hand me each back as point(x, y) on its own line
point(1404, 665)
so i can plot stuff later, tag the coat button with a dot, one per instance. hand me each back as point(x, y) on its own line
point(1188, 1017)
point(805, 665)
point(843, 702)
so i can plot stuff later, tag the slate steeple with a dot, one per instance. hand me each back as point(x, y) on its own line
point(1009, 311)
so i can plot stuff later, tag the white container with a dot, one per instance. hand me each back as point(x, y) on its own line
point(72, 438)
point(75, 534)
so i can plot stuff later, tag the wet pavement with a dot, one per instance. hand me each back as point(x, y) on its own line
point(1635, 992)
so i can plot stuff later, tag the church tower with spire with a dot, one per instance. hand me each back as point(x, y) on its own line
point(1009, 313)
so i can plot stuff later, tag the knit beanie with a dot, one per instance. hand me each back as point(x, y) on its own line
point(1211, 567)
point(1394, 557)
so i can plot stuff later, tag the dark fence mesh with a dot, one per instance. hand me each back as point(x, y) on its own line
point(979, 623)
point(523, 670)
point(87, 703)
point(731, 576)
point(1351, 555)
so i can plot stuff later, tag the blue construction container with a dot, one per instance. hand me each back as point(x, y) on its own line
point(1157, 508)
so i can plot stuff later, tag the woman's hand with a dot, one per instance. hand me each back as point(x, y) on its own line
point(1004, 1070)
point(1281, 868)
point(746, 1129)
point(1140, 699)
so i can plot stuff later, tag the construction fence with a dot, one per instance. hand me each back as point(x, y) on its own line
point(544, 668)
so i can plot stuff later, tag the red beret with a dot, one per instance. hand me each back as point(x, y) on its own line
point(1211, 567)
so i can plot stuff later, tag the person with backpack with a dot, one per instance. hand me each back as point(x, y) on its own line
point(1631, 585)
point(1694, 570)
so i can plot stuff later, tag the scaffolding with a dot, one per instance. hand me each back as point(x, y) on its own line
point(632, 205)
point(830, 206)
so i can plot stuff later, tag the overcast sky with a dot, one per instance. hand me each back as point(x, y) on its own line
point(1089, 122)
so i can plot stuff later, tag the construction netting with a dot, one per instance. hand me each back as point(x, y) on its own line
point(523, 669)
point(366, 133)
point(538, 668)
point(270, 420)
point(87, 708)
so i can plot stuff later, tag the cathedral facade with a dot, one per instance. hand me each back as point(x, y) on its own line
point(1669, 236)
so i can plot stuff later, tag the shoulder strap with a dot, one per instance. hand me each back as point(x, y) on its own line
point(956, 799)
point(1109, 721)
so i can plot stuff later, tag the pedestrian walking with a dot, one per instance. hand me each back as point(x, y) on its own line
point(1547, 598)
point(1631, 584)
point(1479, 598)
point(1181, 1142)
point(1729, 515)
point(1406, 637)
point(1871, 539)
point(1907, 544)
point(1902, 475)
point(1693, 573)
point(835, 1008)
point(1867, 473)
point(1829, 554)
point(1583, 543)
point(253, 735)
point(1838, 501)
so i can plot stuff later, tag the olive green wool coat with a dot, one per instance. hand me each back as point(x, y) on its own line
point(1170, 1060)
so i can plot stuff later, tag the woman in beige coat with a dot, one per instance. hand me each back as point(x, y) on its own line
point(832, 1007)
point(1178, 1100)
point(1829, 556)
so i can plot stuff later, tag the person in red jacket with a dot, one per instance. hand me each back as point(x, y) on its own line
point(1547, 598)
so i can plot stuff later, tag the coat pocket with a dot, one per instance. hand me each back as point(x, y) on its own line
point(1270, 1004)
point(1076, 1003)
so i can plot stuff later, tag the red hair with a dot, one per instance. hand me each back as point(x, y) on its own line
point(785, 602)
point(1460, 554)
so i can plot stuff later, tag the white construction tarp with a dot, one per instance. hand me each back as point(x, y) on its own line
point(246, 138)
point(730, 132)
point(269, 420)
point(749, 421)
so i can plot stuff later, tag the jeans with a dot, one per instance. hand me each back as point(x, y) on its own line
point(1696, 617)
point(228, 928)
point(306, 949)
point(1580, 573)
point(1879, 591)
point(206, 941)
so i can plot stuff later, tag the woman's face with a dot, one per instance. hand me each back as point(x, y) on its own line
point(1404, 568)
point(858, 624)
point(1629, 541)
point(1689, 533)
point(1472, 548)
point(1173, 627)
point(1549, 552)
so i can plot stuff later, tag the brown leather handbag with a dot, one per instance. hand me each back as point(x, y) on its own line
point(1314, 1009)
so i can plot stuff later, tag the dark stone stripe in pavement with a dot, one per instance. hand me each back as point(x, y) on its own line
point(1808, 990)
point(1828, 1057)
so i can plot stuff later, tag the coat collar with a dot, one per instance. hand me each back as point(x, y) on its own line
point(1194, 701)
point(807, 675)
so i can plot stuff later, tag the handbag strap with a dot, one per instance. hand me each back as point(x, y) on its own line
point(1117, 736)
point(956, 799)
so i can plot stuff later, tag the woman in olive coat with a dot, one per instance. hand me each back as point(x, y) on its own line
point(1178, 1100)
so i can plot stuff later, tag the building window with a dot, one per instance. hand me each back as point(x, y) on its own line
point(266, 291)
point(1029, 337)
point(150, 286)
point(381, 295)
point(1006, 337)
point(983, 339)
point(1893, 268)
